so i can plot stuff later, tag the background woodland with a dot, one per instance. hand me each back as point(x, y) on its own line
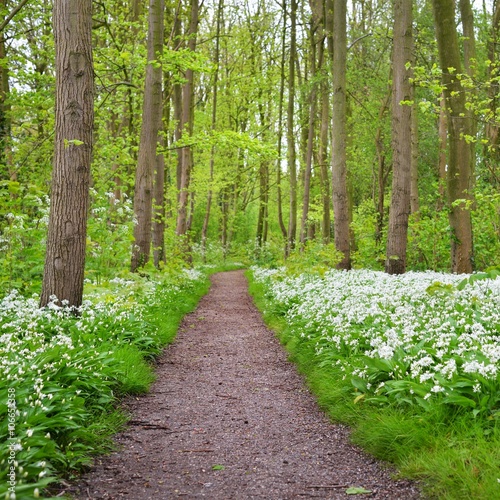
point(261, 130)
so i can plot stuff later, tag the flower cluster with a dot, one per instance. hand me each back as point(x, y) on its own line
point(409, 338)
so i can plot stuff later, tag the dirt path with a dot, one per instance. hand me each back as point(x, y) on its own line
point(230, 418)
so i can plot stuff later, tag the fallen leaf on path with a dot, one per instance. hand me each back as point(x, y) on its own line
point(357, 490)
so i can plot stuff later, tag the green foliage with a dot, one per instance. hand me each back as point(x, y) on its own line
point(369, 252)
point(62, 374)
point(23, 226)
point(442, 430)
point(315, 257)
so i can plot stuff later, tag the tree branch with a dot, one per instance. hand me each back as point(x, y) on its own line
point(13, 12)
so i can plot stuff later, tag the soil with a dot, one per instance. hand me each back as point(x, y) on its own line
point(229, 417)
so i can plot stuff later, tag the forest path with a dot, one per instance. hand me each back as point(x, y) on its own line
point(230, 418)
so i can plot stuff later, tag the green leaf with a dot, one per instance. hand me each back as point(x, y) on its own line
point(218, 467)
point(357, 490)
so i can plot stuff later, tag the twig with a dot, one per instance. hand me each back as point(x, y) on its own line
point(330, 487)
point(226, 396)
point(196, 451)
point(148, 425)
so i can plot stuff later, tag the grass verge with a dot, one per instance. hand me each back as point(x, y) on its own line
point(449, 451)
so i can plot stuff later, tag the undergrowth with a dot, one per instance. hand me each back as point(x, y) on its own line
point(62, 374)
point(453, 451)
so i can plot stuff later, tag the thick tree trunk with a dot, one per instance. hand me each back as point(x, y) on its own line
point(67, 231)
point(339, 156)
point(459, 174)
point(151, 119)
point(397, 235)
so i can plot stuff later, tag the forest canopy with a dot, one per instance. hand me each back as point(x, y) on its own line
point(350, 134)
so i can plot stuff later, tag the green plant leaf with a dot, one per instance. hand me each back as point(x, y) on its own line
point(357, 490)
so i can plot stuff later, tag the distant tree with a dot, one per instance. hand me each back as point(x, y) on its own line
point(290, 132)
point(186, 126)
point(66, 239)
point(397, 236)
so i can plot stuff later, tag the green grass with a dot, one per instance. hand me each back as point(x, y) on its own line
point(452, 454)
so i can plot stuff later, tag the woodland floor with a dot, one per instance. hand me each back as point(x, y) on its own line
point(230, 418)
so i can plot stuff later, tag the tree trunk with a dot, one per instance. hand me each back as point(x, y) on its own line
point(470, 64)
point(151, 119)
point(74, 111)
point(280, 126)
point(383, 170)
point(310, 141)
point(206, 220)
point(187, 127)
point(323, 154)
point(323, 16)
point(492, 130)
point(397, 236)
point(292, 160)
point(459, 174)
point(339, 156)
point(158, 233)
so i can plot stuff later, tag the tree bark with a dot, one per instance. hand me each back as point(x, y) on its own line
point(292, 160)
point(383, 170)
point(151, 119)
point(280, 127)
point(459, 174)
point(397, 235)
point(187, 128)
point(310, 141)
point(470, 64)
point(339, 156)
point(74, 111)
point(158, 232)
point(323, 151)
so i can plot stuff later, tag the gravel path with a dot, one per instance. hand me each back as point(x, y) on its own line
point(230, 418)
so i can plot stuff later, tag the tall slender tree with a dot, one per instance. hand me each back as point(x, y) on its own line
point(186, 154)
point(151, 119)
point(339, 155)
point(397, 236)
point(290, 132)
point(67, 230)
point(310, 136)
point(206, 220)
